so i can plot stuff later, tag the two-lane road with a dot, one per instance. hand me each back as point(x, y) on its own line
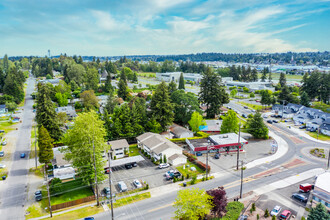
point(13, 191)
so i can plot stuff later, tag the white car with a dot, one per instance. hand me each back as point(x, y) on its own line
point(276, 210)
point(163, 165)
point(4, 143)
point(2, 166)
point(137, 183)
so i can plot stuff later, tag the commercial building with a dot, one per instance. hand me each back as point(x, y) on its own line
point(221, 143)
point(175, 76)
point(252, 86)
point(321, 192)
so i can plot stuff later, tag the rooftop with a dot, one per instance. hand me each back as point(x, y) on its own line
point(118, 144)
point(226, 139)
point(322, 181)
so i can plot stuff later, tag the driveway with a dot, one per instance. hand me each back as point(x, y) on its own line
point(13, 191)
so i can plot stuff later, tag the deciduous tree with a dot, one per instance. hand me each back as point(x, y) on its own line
point(219, 200)
point(192, 204)
point(89, 100)
point(196, 121)
point(230, 123)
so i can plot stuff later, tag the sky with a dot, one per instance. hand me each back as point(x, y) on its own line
point(162, 27)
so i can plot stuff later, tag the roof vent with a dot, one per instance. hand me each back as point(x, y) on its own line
point(225, 136)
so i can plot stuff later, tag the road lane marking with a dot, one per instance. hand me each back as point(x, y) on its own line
point(161, 207)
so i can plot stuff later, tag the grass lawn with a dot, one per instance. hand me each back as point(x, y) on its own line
point(3, 172)
point(93, 210)
point(188, 171)
point(22, 103)
point(197, 181)
point(148, 75)
point(289, 77)
point(133, 150)
point(322, 137)
point(33, 140)
point(6, 126)
point(255, 107)
point(35, 211)
point(70, 193)
point(38, 172)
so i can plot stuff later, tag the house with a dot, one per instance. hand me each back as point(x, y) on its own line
point(325, 127)
point(180, 132)
point(118, 148)
point(103, 76)
point(315, 123)
point(212, 126)
point(62, 168)
point(69, 110)
point(158, 146)
point(54, 82)
point(177, 159)
point(3, 109)
point(321, 192)
point(289, 110)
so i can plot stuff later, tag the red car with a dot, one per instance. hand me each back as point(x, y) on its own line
point(285, 214)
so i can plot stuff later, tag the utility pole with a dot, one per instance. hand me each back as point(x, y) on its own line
point(239, 143)
point(282, 108)
point(207, 158)
point(241, 190)
point(49, 205)
point(328, 160)
point(109, 155)
point(96, 186)
point(35, 145)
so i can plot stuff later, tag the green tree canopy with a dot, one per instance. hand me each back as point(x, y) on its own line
point(92, 79)
point(256, 126)
point(161, 106)
point(172, 87)
point(77, 73)
point(282, 80)
point(89, 100)
point(318, 213)
point(181, 82)
point(192, 204)
point(45, 144)
point(87, 133)
point(304, 99)
point(196, 121)
point(212, 93)
point(230, 123)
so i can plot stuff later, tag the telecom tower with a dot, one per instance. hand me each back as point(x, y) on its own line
point(48, 53)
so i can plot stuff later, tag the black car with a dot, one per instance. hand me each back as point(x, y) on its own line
point(302, 127)
point(128, 166)
point(246, 107)
point(275, 121)
point(244, 115)
point(270, 121)
point(134, 164)
point(38, 195)
point(313, 129)
point(216, 156)
point(299, 197)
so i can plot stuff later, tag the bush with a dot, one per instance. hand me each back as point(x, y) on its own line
point(48, 76)
point(174, 179)
point(77, 105)
point(303, 218)
point(273, 217)
point(142, 151)
point(56, 185)
point(266, 213)
point(193, 180)
point(258, 216)
point(114, 157)
point(182, 177)
point(11, 106)
point(234, 210)
point(253, 207)
point(187, 177)
point(146, 187)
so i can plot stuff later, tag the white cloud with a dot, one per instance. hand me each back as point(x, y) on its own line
point(107, 23)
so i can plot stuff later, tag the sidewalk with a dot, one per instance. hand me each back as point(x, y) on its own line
point(282, 148)
point(301, 132)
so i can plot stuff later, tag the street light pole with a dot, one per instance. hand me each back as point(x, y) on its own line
point(239, 143)
point(328, 160)
point(35, 145)
point(112, 217)
point(241, 190)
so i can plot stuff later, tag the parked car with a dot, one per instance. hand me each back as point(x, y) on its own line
point(163, 165)
point(275, 210)
point(38, 195)
point(243, 217)
point(22, 155)
point(89, 218)
point(2, 131)
point(168, 172)
point(244, 116)
point(246, 107)
point(137, 184)
point(275, 121)
point(313, 129)
point(199, 154)
point(4, 143)
point(170, 176)
point(270, 121)
point(302, 127)
point(107, 170)
point(122, 186)
point(257, 100)
point(2, 166)
point(308, 128)
point(106, 191)
point(299, 197)
point(265, 116)
point(128, 166)
point(285, 214)
point(134, 164)
point(217, 156)
point(273, 116)
point(229, 108)
point(305, 187)
point(2, 153)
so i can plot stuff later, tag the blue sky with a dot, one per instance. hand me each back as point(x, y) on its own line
point(140, 27)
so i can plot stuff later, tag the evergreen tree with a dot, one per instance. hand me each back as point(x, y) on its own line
point(282, 80)
point(270, 76)
point(304, 99)
point(161, 107)
point(112, 102)
point(5, 63)
point(135, 78)
point(2, 79)
point(325, 88)
point(256, 127)
point(13, 84)
point(107, 85)
point(264, 75)
point(172, 87)
point(123, 91)
point(318, 213)
point(181, 82)
point(45, 144)
point(46, 115)
point(212, 93)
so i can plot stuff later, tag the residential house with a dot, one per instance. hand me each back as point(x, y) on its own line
point(69, 110)
point(3, 109)
point(289, 110)
point(177, 159)
point(62, 168)
point(118, 148)
point(212, 126)
point(325, 127)
point(321, 192)
point(180, 132)
point(157, 146)
point(54, 82)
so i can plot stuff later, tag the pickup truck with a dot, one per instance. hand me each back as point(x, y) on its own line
point(170, 176)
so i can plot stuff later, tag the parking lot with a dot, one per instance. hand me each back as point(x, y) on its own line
point(145, 171)
point(282, 197)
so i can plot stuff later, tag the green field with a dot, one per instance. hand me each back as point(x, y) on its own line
point(133, 150)
point(255, 107)
point(147, 75)
point(276, 76)
point(188, 171)
point(321, 137)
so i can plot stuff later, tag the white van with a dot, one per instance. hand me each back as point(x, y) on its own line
point(122, 186)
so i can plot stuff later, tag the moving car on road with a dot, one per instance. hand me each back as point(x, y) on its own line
point(22, 155)
point(299, 197)
point(275, 210)
point(163, 165)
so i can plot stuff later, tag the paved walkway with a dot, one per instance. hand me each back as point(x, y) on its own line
point(301, 132)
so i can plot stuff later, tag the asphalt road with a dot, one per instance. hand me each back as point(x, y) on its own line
point(160, 207)
point(13, 191)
